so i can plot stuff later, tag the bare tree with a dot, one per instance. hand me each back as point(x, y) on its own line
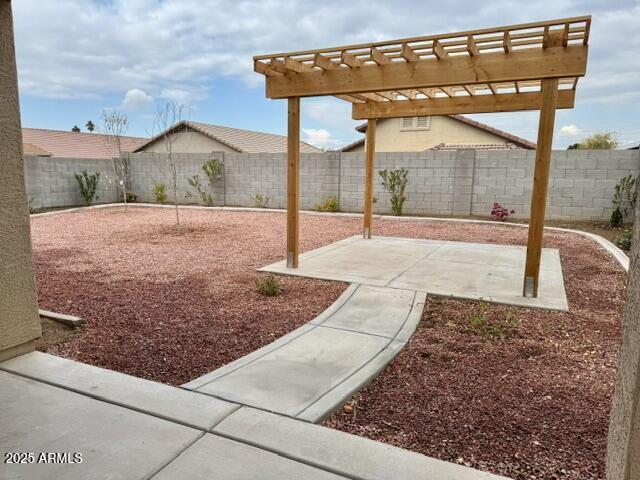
point(116, 125)
point(167, 117)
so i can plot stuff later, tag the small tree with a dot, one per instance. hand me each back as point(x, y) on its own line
point(395, 182)
point(88, 183)
point(624, 200)
point(116, 125)
point(598, 141)
point(90, 126)
point(75, 128)
point(168, 118)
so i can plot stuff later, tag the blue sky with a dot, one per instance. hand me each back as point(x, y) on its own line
point(79, 57)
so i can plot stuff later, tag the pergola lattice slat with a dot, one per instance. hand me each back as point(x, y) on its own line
point(532, 66)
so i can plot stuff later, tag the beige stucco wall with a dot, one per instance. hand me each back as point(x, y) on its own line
point(189, 142)
point(19, 320)
point(391, 138)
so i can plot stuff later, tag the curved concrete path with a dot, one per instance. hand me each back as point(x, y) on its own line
point(312, 370)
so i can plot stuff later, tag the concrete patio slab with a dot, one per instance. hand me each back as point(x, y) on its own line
point(115, 442)
point(474, 271)
point(214, 457)
point(338, 452)
point(160, 400)
point(309, 372)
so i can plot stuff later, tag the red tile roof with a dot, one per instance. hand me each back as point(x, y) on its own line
point(60, 143)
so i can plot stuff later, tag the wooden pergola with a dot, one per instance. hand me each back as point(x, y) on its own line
point(532, 66)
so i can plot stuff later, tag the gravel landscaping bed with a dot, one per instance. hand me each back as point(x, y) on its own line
point(520, 392)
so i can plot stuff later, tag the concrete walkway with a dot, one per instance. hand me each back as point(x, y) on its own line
point(312, 370)
point(132, 429)
point(477, 271)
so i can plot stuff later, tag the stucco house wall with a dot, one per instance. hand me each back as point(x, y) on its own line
point(189, 142)
point(392, 137)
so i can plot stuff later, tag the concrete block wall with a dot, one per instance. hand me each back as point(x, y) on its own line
point(464, 182)
point(50, 182)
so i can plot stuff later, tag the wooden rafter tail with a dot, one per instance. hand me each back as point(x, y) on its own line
point(472, 47)
point(351, 60)
point(378, 57)
point(410, 94)
point(565, 35)
point(295, 66)
point(575, 83)
point(323, 62)
point(350, 98)
point(470, 89)
point(278, 66)
point(438, 49)
point(408, 54)
point(506, 42)
point(264, 69)
point(388, 95)
point(448, 91)
point(516, 86)
point(493, 89)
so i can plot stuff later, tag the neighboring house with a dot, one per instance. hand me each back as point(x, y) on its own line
point(59, 143)
point(194, 137)
point(447, 132)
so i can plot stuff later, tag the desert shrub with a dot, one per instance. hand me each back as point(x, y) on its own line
point(395, 182)
point(88, 183)
point(132, 197)
point(329, 204)
point(205, 197)
point(268, 286)
point(213, 169)
point(480, 324)
point(261, 201)
point(160, 192)
point(624, 200)
point(624, 241)
point(498, 212)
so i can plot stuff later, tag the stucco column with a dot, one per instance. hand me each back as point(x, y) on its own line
point(19, 321)
point(623, 449)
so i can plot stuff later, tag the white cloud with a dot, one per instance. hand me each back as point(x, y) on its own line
point(136, 98)
point(570, 130)
point(318, 137)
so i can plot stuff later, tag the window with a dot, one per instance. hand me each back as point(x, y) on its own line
point(415, 123)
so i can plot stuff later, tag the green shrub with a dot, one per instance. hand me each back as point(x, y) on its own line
point(395, 182)
point(261, 201)
point(160, 192)
point(624, 241)
point(88, 183)
point(624, 200)
point(205, 197)
point(213, 169)
point(268, 286)
point(32, 209)
point(329, 204)
point(132, 197)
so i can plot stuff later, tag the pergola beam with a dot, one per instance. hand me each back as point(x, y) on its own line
point(506, 102)
point(527, 64)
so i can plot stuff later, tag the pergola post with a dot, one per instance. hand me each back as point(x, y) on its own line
point(549, 89)
point(370, 146)
point(293, 181)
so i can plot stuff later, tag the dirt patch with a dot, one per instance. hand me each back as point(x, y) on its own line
point(54, 333)
point(532, 402)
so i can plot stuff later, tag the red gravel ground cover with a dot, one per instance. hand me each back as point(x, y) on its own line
point(532, 402)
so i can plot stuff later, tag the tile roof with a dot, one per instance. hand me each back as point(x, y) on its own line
point(31, 149)
point(245, 141)
point(60, 143)
point(514, 139)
